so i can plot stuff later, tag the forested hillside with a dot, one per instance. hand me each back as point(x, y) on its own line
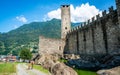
point(28, 36)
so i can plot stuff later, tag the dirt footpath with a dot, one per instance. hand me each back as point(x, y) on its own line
point(22, 70)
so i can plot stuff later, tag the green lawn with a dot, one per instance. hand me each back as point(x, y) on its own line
point(7, 67)
point(40, 68)
point(83, 72)
point(63, 60)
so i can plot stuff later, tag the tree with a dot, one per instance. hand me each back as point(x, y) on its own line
point(2, 48)
point(25, 54)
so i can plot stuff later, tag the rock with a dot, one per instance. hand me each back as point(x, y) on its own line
point(48, 64)
point(46, 57)
point(87, 63)
point(71, 56)
point(62, 69)
point(51, 63)
point(93, 64)
point(47, 61)
point(110, 61)
point(113, 71)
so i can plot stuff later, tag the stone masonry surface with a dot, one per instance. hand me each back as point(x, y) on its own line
point(98, 37)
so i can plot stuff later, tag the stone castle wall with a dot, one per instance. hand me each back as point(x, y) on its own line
point(97, 37)
point(50, 46)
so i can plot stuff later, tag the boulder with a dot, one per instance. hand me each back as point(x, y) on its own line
point(71, 56)
point(44, 58)
point(48, 64)
point(87, 63)
point(113, 71)
point(51, 63)
point(62, 69)
point(93, 64)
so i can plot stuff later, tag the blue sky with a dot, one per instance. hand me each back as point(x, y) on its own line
point(14, 13)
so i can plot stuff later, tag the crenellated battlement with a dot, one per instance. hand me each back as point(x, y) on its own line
point(97, 36)
point(97, 19)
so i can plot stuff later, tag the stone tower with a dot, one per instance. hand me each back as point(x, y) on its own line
point(118, 9)
point(65, 20)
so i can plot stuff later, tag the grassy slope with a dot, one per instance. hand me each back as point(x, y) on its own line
point(83, 72)
point(38, 67)
point(7, 68)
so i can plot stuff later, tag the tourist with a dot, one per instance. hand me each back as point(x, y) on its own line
point(32, 63)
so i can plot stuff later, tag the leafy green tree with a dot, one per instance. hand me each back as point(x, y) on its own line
point(25, 54)
point(2, 48)
point(15, 52)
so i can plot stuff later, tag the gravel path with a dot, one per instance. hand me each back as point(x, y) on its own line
point(22, 70)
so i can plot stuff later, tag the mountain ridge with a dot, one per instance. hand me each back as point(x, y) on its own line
point(27, 35)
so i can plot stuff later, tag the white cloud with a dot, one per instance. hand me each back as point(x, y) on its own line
point(78, 14)
point(53, 14)
point(21, 18)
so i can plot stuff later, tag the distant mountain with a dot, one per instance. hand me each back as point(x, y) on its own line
point(28, 35)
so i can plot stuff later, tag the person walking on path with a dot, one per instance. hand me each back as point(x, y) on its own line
point(32, 63)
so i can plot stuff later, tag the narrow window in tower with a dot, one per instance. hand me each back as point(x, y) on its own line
point(59, 47)
point(66, 28)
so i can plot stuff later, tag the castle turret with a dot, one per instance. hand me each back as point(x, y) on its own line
point(118, 9)
point(65, 20)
